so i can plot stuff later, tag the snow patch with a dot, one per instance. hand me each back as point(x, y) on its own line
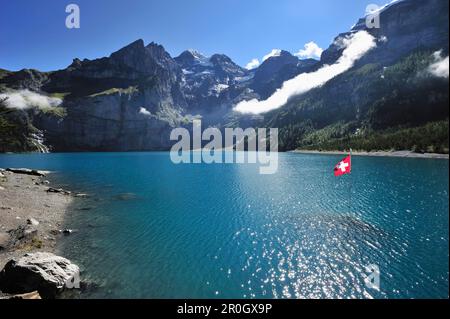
point(144, 111)
point(187, 72)
point(273, 53)
point(219, 88)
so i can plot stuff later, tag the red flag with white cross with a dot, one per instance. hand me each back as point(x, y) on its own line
point(343, 167)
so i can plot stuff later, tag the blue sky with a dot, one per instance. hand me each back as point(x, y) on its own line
point(33, 33)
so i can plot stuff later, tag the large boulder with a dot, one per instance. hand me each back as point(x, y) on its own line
point(45, 272)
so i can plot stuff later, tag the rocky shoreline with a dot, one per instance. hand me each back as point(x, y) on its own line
point(31, 222)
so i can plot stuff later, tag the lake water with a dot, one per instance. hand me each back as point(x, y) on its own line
point(152, 229)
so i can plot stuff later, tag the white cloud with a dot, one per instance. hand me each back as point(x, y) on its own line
point(440, 67)
point(252, 64)
point(274, 52)
point(25, 99)
point(311, 51)
point(356, 45)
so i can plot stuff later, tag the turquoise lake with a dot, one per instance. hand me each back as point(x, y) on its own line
point(153, 229)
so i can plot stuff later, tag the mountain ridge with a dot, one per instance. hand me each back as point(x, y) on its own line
point(131, 99)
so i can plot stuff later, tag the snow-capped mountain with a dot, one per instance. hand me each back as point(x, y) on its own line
point(209, 82)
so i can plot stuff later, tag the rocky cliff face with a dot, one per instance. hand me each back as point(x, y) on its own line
point(128, 101)
point(112, 121)
point(405, 26)
point(147, 68)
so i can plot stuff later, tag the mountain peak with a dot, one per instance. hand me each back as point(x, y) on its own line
point(220, 58)
point(154, 45)
point(196, 54)
point(144, 59)
point(192, 57)
point(191, 54)
point(282, 55)
point(281, 58)
point(76, 63)
point(130, 49)
point(139, 43)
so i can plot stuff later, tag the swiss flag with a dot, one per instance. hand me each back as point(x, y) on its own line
point(343, 167)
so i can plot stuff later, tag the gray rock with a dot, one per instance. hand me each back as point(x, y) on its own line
point(67, 231)
point(45, 182)
point(32, 221)
point(45, 272)
point(58, 191)
point(29, 232)
point(26, 171)
point(22, 234)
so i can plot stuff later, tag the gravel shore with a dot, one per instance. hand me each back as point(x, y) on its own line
point(31, 216)
point(408, 154)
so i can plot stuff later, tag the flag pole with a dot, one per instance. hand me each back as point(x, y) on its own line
point(351, 183)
